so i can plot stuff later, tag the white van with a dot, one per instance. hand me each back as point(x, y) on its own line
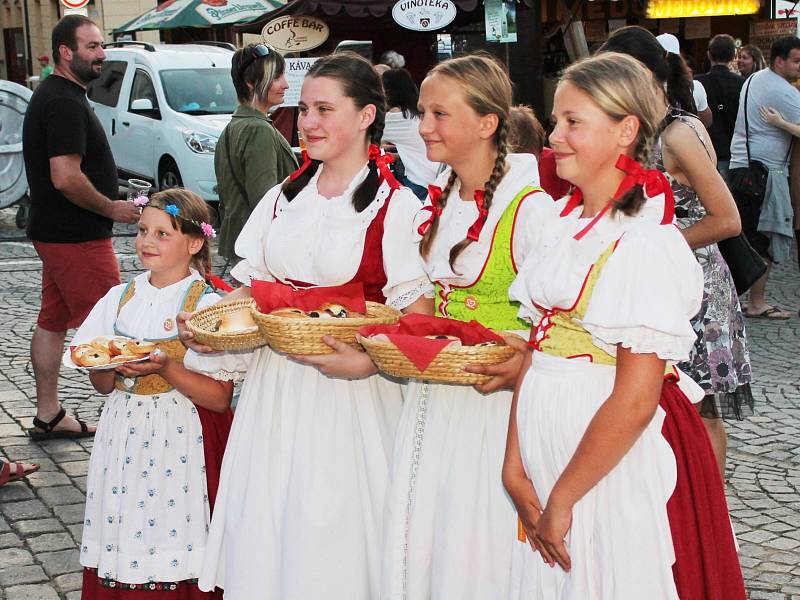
point(163, 108)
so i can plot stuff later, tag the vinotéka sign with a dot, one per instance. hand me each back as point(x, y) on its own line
point(424, 15)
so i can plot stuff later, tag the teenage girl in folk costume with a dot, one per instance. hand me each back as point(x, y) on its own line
point(305, 471)
point(608, 463)
point(156, 458)
point(450, 524)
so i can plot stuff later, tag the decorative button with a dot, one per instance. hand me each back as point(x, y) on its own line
point(471, 302)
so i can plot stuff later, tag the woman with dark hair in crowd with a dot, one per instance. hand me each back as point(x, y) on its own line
point(306, 466)
point(402, 130)
point(251, 155)
point(706, 214)
point(749, 60)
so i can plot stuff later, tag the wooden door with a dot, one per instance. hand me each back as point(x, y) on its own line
point(15, 54)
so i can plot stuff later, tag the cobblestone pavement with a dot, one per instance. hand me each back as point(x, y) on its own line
point(40, 519)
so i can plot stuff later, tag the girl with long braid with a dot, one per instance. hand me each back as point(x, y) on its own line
point(450, 525)
point(608, 464)
point(305, 472)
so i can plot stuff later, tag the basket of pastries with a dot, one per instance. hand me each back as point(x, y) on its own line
point(107, 352)
point(434, 349)
point(294, 321)
point(227, 326)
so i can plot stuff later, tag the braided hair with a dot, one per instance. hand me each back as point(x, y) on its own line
point(621, 86)
point(487, 89)
point(362, 84)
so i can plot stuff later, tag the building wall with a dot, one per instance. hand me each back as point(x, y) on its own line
point(43, 15)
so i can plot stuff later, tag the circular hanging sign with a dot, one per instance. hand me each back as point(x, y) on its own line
point(74, 3)
point(295, 34)
point(424, 15)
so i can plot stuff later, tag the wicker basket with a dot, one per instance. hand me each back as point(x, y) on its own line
point(204, 320)
point(445, 368)
point(304, 336)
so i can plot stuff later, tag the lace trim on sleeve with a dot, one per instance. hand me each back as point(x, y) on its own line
point(225, 375)
point(423, 287)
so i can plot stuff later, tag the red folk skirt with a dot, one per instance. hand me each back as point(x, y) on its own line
point(706, 563)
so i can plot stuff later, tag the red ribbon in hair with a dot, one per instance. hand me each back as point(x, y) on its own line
point(652, 181)
point(303, 167)
point(474, 231)
point(435, 194)
point(382, 161)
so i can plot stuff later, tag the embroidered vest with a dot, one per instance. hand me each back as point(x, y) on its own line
point(486, 300)
point(171, 346)
point(560, 333)
point(370, 271)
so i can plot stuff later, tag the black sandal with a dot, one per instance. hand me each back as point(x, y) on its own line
point(50, 433)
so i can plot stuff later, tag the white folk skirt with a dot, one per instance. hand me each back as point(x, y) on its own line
point(450, 526)
point(298, 512)
point(147, 509)
point(619, 542)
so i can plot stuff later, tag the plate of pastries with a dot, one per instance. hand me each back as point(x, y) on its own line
point(108, 352)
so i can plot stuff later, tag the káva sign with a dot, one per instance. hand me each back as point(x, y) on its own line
point(424, 15)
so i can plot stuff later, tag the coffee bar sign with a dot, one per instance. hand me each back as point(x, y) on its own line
point(295, 34)
point(424, 15)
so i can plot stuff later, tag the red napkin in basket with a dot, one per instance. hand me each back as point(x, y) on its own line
point(270, 295)
point(408, 334)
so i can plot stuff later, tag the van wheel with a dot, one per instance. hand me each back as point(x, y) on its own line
point(168, 175)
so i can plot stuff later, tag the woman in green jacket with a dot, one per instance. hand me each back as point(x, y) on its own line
point(251, 156)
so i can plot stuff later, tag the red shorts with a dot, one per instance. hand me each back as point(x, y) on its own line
point(74, 278)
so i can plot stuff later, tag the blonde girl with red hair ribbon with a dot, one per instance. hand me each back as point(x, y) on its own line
point(449, 523)
point(299, 510)
point(607, 462)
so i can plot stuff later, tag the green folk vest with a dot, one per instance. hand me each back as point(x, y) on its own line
point(486, 300)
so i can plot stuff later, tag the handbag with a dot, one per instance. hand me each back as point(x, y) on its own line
point(745, 264)
point(748, 183)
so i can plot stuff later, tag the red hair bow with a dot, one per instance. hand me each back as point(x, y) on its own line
point(382, 161)
point(435, 194)
point(474, 231)
point(303, 167)
point(652, 180)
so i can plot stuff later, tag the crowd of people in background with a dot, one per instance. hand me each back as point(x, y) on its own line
point(592, 463)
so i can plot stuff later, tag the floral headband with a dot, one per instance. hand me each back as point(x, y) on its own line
point(174, 211)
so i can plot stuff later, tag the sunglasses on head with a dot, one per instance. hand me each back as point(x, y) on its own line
point(256, 52)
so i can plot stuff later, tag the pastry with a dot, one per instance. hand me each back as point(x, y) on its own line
point(123, 358)
point(118, 346)
point(140, 347)
point(89, 356)
point(289, 313)
point(240, 321)
point(320, 314)
point(101, 343)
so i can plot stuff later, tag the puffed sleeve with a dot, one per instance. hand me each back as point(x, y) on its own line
point(405, 276)
point(223, 366)
point(532, 217)
point(99, 322)
point(252, 240)
point(646, 295)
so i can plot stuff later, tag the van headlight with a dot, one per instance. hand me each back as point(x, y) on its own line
point(200, 142)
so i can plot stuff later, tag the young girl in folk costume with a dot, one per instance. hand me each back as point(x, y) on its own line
point(304, 477)
point(157, 453)
point(602, 496)
point(450, 524)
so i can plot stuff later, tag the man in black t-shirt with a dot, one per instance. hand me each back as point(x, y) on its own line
point(723, 87)
point(73, 181)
